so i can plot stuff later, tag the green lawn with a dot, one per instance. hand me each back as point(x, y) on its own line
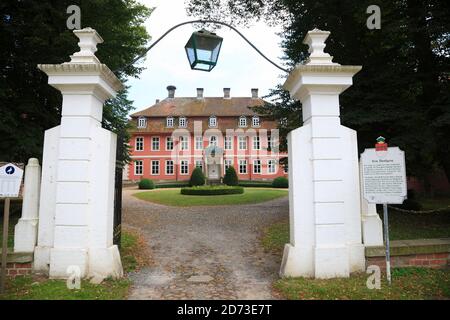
point(34, 287)
point(172, 197)
point(407, 283)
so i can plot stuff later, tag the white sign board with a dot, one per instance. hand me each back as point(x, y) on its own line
point(384, 176)
point(10, 181)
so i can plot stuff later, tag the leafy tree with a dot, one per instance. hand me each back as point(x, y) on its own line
point(34, 32)
point(231, 178)
point(403, 91)
point(197, 178)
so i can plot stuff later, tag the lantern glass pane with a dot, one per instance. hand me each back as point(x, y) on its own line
point(191, 55)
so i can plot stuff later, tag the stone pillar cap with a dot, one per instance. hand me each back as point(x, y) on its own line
point(315, 39)
point(89, 38)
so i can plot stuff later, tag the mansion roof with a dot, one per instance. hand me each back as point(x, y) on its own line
point(202, 107)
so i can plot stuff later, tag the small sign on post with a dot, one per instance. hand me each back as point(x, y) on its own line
point(384, 182)
point(10, 181)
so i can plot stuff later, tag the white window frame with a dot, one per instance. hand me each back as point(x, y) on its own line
point(198, 143)
point(269, 142)
point(136, 143)
point(142, 122)
point(151, 168)
point(159, 143)
point(141, 165)
point(184, 125)
point(199, 166)
point(228, 142)
point(242, 121)
point(226, 164)
point(169, 139)
point(172, 165)
point(184, 141)
point(212, 123)
point(246, 166)
point(216, 140)
point(259, 165)
point(257, 142)
point(242, 140)
point(170, 122)
point(256, 122)
point(181, 167)
point(274, 166)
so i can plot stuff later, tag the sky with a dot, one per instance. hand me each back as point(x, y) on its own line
point(239, 66)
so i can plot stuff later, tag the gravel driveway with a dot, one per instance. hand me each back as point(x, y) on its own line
point(204, 252)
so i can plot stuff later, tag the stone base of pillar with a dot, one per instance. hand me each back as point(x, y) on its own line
point(99, 263)
point(62, 259)
point(297, 261)
point(331, 262)
point(41, 259)
point(25, 235)
point(104, 263)
point(357, 257)
point(372, 230)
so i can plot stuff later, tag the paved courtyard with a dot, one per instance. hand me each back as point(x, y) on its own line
point(204, 252)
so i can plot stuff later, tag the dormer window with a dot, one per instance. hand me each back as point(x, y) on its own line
point(169, 122)
point(255, 121)
point(213, 121)
point(242, 121)
point(142, 122)
point(182, 122)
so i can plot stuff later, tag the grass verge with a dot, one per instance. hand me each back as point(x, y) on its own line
point(172, 197)
point(33, 287)
point(407, 284)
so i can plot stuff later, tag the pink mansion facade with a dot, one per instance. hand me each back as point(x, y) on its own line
point(172, 137)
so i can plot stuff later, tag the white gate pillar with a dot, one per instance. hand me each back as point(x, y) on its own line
point(78, 170)
point(324, 196)
point(25, 233)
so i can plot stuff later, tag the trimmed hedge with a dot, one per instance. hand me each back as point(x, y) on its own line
point(256, 184)
point(212, 191)
point(146, 184)
point(231, 178)
point(280, 182)
point(172, 185)
point(197, 178)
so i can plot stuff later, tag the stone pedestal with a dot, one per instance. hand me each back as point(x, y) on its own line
point(76, 226)
point(25, 233)
point(324, 195)
point(372, 226)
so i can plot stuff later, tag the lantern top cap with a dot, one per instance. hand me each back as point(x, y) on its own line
point(381, 139)
point(315, 39)
point(89, 38)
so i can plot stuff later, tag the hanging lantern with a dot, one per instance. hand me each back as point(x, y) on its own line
point(203, 49)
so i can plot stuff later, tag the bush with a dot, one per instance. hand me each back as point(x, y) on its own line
point(410, 204)
point(280, 182)
point(256, 184)
point(212, 191)
point(171, 185)
point(231, 178)
point(197, 178)
point(146, 184)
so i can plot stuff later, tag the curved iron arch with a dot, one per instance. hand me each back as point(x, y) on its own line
point(201, 21)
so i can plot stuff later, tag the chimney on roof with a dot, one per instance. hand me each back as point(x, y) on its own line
point(157, 101)
point(226, 93)
point(199, 93)
point(171, 91)
point(255, 93)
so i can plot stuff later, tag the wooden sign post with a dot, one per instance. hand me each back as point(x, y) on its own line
point(10, 181)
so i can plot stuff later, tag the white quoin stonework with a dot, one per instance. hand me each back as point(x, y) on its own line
point(25, 233)
point(324, 190)
point(77, 191)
